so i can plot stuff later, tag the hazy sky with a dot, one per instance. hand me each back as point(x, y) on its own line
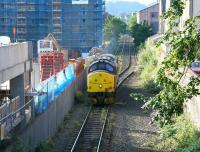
point(146, 2)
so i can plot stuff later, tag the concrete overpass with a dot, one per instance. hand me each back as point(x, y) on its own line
point(15, 68)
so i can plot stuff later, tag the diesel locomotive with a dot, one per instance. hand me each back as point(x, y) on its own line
point(102, 79)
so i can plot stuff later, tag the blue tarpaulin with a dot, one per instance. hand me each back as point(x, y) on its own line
point(53, 87)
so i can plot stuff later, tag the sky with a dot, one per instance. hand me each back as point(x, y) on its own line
point(145, 2)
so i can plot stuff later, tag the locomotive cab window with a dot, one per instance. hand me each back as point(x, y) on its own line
point(102, 66)
point(109, 68)
point(93, 68)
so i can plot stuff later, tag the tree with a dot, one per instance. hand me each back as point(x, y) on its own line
point(140, 32)
point(185, 44)
point(114, 28)
point(132, 22)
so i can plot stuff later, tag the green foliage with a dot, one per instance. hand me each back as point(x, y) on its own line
point(80, 97)
point(77, 123)
point(114, 28)
point(17, 145)
point(41, 147)
point(184, 45)
point(50, 142)
point(138, 97)
point(198, 55)
point(149, 58)
point(140, 32)
point(66, 117)
point(178, 136)
point(193, 147)
point(132, 22)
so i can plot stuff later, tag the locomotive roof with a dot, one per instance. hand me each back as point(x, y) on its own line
point(100, 60)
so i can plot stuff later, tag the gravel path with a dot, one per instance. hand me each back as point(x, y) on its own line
point(131, 128)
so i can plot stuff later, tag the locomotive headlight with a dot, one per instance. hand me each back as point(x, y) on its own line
point(100, 86)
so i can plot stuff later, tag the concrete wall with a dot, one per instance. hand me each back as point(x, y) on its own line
point(14, 60)
point(47, 123)
point(191, 9)
point(196, 10)
point(35, 74)
point(17, 88)
point(192, 106)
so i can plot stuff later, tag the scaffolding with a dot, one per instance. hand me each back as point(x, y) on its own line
point(75, 26)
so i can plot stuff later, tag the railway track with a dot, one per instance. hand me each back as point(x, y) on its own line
point(91, 132)
point(126, 72)
point(90, 135)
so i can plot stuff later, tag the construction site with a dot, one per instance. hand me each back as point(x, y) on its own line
point(40, 62)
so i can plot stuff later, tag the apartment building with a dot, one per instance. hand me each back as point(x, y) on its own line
point(76, 24)
point(151, 16)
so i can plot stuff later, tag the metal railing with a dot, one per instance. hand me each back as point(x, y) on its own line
point(9, 106)
point(12, 115)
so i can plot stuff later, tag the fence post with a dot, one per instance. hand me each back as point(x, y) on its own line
point(32, 110)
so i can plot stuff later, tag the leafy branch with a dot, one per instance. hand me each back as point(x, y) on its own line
point(184, 46)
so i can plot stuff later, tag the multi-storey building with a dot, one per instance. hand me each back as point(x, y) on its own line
point(151, 16)
point(192, 9)
point(82, 26)
point(76, 24)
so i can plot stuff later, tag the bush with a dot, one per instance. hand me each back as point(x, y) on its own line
point(80, 97)
point(149, 58)
point(179, 136)
point(17, 145)
point(41, 147)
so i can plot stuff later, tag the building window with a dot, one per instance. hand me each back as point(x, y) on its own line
point(154, 14)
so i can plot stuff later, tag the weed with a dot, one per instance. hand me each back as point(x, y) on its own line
point(94, 149)
point(41, 147)
point(59, 129)
point(80, 97)
point(66, 127)
point(178, 136)
point(149, 58)
point(17, 145)
point(77, 123)
point(50, 142)
point(66, 117)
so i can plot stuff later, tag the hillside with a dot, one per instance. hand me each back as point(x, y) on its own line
point(123, 7)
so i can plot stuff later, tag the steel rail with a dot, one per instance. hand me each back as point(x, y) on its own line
point(83, 127)
point(80, 131)
point(102, 131)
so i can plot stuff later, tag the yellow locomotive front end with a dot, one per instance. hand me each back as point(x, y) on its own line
point(101, 82)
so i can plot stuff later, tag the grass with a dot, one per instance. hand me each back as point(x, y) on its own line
point(17, 145)
point(41, 147)
point(120, 62)
point(181, 136)
point(149, 57)
point(66, 117)
point(77, 123)
point(81, 97)
point(50, 142)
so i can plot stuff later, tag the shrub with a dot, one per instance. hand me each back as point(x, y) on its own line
point(50, 142)
point(77, 123)
point(17, 145)
point(66, 117)
point(80, 97)
point(41, 147)
point(178, 136)
point(149, 58)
